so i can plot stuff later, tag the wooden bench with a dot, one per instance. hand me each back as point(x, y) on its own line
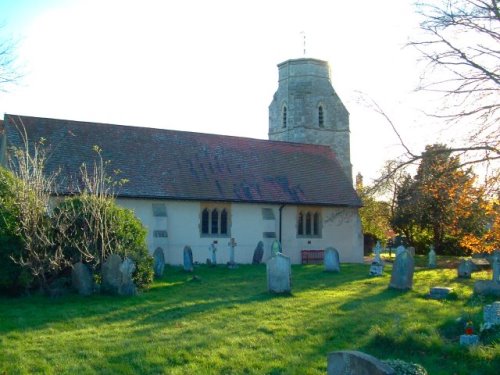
point(312, 256)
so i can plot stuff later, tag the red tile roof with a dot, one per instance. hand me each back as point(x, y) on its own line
point(168, 164)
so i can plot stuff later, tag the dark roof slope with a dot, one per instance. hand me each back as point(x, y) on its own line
point(192, 166)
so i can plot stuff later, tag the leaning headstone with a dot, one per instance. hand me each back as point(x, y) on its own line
point(279, 274)
point(349, 362)
point(464, 269)
point(258, 253)
point(331, 260)
point(439, 292)
point(491, 313)
point(188, 259)
point(81, 279)
point(399, 250)
point(432, 258)
point(275, 248)
point(402, 271)
point(158, 262)
point(127, 286)
point(111, 275)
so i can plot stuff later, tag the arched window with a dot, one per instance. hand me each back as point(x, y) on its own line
point(321, 118)
point(284, 117)
point(223, 222)
point(215, 221)
point(204, 221)
point(300, 224)
point(308, 224)
point(316, 224)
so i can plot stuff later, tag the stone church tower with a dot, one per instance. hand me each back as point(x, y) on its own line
point(306, 109)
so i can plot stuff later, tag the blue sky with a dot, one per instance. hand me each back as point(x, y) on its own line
point(210, 66)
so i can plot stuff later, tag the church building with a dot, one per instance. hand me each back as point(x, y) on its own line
point(198, 189)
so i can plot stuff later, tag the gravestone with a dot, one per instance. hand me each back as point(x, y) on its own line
point(469, 340)
point(399, 250)
point(275, 248)
point(377, 266)
point(111, 274)
point(127, 286)
point(464, 269)
point(158, 262)
point(232, 263)
point(491, 313)
point(331, 260)
point(279, 274)
point(188, 259)
point(411, 249)
point(432, 258)
point(402, 271)
point(487, 288)
point(439, 292)
point(81, 279)
point(349, 362)
point(213, 254)
point(258, 254)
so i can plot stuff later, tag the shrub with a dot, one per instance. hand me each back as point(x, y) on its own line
point(89, 228)
point(13, 278)
point(405, 368)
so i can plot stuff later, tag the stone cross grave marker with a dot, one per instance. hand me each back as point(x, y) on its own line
point(232, 244)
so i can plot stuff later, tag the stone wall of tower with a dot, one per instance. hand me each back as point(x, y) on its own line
point(304, 86)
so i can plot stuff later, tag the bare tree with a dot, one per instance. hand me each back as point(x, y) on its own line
point(461, 44)
point(9, 72)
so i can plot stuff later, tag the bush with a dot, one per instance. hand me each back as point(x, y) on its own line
point(13, 278)
point(89, 228)
point(404, 368)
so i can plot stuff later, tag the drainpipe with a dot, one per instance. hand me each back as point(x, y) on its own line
point(281, 210)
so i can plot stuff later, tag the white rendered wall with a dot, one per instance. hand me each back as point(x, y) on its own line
point(340, 228)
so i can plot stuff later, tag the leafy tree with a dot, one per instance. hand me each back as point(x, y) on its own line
point(374, 214)
point(441, 204)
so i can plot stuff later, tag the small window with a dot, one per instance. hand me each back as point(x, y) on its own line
point(268, 214)
point(321, 119)
point(269, 234)
point(204, 221)
point(160, 234)
point(284, 117)
point(316, 224)
point(215, 221)
point(223, 222)
point(309, 222)
point(300, 224)
point(159, 210)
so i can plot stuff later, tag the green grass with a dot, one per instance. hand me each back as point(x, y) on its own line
point(227, 323)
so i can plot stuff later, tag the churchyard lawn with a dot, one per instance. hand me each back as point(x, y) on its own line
point(225, 322)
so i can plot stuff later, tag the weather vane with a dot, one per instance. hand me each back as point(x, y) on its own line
point(304, 41)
